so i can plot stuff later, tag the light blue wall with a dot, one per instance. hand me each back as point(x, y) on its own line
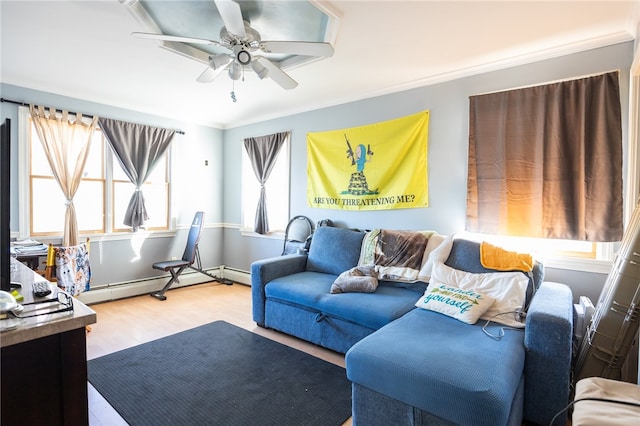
point(216, 188)
point(447, 150)
point(196, 187)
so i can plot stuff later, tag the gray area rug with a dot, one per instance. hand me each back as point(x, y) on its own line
point(220, 374)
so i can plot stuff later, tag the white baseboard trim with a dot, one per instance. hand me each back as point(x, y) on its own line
point(137, 288)
point(235, 275)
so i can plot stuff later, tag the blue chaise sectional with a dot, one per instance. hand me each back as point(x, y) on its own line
point(414, 366)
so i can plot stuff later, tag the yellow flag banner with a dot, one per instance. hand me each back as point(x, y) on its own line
point(380, 166)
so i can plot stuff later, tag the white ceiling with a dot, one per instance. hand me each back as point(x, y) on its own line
point(84, 49)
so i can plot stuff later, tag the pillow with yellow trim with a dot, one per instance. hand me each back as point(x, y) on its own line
point(507, 288)
point(464, 305)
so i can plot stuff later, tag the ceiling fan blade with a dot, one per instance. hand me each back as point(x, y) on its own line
point(178, 39)
point(307, 48)
point(231, 16)
point(277, 75)
point(209, 74)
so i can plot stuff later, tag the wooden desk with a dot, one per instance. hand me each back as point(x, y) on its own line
point(44, 364)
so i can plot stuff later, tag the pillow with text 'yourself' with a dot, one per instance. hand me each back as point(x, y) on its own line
point(464, 305)
point(507, 288)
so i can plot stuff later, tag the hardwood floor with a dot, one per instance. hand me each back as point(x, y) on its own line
point(129, 322)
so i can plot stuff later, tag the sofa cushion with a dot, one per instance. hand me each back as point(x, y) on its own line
point(302, 288)
point(334, 250)
point(372, 310)
point(442, 366)
point(311, 291)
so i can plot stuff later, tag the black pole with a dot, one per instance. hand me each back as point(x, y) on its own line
point(180, 132)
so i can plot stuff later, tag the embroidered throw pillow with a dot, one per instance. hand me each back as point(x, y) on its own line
point(464, 305)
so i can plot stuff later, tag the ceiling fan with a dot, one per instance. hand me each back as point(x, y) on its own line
point(245, 45)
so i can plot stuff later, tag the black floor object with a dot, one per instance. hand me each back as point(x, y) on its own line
point(220, 374)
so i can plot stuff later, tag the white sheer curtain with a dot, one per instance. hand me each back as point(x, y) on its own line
point(66, 138)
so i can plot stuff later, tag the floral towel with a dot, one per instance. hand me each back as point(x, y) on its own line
point(73, 270)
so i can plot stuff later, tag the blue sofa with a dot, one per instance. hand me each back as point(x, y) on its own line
point(411, 366)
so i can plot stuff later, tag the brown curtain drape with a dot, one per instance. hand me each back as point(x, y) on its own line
point(66, 139)
point(546, 161)
point(263, 152)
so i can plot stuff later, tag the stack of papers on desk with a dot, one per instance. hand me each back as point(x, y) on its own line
point(28, 246)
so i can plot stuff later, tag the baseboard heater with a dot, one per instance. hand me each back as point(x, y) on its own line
point(122, 290)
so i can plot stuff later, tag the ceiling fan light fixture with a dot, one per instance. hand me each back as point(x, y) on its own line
point(218, 61)
point(259, 69)
point(242, 42)
point(243, 57)
point(235, 71)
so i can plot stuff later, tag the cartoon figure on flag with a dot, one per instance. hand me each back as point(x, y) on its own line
point(358, 182)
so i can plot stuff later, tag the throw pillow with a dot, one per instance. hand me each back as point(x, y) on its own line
point(437, 251)
point(507, 288)
point(464, 305)
point(465, 256)
point(361, 279)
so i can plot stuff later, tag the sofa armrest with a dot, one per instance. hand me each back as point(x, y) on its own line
point(547, 341)
point(263, 271)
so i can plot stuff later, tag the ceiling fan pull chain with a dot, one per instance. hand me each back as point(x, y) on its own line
point(233, 92)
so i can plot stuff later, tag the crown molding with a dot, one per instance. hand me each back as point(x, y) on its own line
point(480, 67)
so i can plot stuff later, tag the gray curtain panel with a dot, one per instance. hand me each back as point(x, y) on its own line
point(263, 152)
point(546, 161)
point(137, 148)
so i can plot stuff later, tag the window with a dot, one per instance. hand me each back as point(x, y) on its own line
point(546, 162)
point(277, 192)
point(156, 196)
point(101, 199)
point(47, 200)
point(556, 253)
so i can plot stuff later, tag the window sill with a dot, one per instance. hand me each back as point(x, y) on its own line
point(575, 264)
point(119, 236)
point(278, 235)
